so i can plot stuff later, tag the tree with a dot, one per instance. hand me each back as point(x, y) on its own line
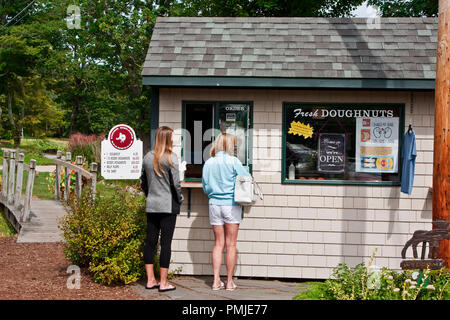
point(20, 53)
point(406, 8)
point(15, 8)
point(270, 8)
point(119, 35)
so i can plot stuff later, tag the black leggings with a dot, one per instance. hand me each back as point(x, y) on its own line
point(156, 222)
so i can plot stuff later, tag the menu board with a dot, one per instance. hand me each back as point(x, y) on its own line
point(331, 153)
point(234, 119)
point(121, 154)
point(377, 145)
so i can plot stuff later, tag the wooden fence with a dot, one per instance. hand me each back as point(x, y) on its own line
point(65, 162)
point(16, 210)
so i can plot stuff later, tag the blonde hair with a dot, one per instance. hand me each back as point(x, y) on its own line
point(224, 142)
point(163, 146)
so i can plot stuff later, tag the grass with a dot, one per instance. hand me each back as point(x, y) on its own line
point(40, 188)
point(35, 149)
point(313, 291)
point(6, 230)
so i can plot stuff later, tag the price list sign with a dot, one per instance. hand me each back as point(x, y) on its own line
point(121, 154)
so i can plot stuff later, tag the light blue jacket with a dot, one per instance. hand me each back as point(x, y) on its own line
point(218, 177)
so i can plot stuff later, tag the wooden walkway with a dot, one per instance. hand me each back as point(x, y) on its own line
point(38, 220)
point(43, 224)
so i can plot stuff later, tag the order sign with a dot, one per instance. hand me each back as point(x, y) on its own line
point(121, 154)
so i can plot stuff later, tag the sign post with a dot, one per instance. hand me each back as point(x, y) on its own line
point(121, 154)
point(441, 160)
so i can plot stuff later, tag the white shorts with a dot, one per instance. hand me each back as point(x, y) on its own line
point(218, 215)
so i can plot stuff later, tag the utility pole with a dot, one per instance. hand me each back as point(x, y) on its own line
point(441, 159)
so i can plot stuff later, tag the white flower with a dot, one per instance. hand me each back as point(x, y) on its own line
point(430, 287)
point(396, 289)
point(407, 280)
point(412, 287)
point(391, 278)
point(415, 275)
point(413, 282)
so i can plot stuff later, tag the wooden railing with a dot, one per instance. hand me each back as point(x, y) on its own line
point(12, 182)
point(65, 162)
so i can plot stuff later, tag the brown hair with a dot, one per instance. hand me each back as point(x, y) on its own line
point(163, 146)
point(224, 142)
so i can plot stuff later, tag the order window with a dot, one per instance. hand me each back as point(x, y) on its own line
point(342, 143)
point(203, 122)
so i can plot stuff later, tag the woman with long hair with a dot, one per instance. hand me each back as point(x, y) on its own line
point(218, 178)
point(161, 183)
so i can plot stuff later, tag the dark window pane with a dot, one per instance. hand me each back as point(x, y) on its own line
point(342, 142)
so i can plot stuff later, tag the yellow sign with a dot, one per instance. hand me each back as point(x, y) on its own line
point(301, 129)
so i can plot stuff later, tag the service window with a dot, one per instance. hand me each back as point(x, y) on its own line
point(342, 143)
point(202, 123)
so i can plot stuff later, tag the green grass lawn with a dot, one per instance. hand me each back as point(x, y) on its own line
point(313, 291)
point(35, 149)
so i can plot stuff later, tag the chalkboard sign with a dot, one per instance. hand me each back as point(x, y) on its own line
point(331, 153)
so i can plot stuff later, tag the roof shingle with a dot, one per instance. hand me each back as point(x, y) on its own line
point(388, 48)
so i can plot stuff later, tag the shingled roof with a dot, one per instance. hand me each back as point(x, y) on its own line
point(345, 48)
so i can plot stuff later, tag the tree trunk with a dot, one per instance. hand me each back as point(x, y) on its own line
point(74, 117)
point(14, 128)
point(441, 160)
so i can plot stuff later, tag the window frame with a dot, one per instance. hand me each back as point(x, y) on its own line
point(216, 104)
point(352, 105)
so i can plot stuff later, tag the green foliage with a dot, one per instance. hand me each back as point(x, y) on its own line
point(406, 8)
point(268, 8)
point(6, 230)
point(42, 145)
point(107, 236)
point(360, 283)
point(314, 291)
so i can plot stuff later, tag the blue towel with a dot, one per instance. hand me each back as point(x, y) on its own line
point(409, 155)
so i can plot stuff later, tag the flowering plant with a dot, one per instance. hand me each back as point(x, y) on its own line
point(51, 178)
point(369, 283)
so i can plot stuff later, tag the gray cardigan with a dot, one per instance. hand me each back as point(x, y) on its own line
point(163, 193)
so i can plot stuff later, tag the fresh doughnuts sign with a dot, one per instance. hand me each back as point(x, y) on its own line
point(121, 154)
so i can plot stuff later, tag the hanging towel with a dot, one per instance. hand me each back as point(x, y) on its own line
point(409, 155)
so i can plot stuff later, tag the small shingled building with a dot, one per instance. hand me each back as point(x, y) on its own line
point(320, 107)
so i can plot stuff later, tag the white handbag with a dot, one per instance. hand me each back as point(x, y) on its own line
point(246, 191)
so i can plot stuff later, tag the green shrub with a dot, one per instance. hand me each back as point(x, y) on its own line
point(107, 235)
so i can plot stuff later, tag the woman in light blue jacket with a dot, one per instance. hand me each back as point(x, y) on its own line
point(218, 178)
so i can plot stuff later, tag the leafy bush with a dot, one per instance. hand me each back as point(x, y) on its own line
point(367, 283)
point(40, 146)
point(87, 146)
point(107, 235)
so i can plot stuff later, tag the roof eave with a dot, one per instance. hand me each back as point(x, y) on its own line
point(302, 83)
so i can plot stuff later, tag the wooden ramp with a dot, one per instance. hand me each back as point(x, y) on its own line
point(43, 225)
